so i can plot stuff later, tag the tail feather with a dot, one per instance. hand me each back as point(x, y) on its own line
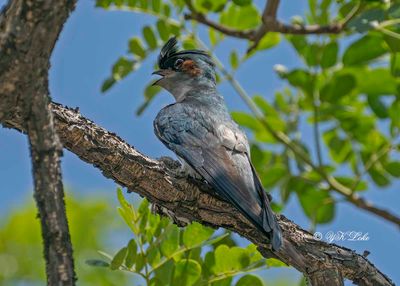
point(274, 231)
point(269, 223)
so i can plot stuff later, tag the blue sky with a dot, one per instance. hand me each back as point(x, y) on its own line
point(90, 43)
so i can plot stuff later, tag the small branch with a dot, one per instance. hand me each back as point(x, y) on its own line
point(370, 163)
point(317, 141)
point(270, 23)
point(270, 10)
point(189, 200)
point(199, 17)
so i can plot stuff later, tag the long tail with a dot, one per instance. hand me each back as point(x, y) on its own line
point(269, 223)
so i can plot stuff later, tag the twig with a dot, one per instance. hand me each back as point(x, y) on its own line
point(370, 163)
point(270, 23)
point(317, 141)
point(199, 17)
point(270, 10)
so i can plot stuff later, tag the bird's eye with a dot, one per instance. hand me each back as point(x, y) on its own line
point(178, 63)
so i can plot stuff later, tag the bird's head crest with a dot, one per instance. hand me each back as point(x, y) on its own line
point(169, 53)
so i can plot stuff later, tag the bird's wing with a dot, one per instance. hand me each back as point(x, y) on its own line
point(220, 155)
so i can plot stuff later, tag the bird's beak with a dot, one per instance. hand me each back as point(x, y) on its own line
point(163, 73)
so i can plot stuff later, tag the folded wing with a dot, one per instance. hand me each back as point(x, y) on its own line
point(221, 161)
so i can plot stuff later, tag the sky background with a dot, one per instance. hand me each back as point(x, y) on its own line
point(90, 43)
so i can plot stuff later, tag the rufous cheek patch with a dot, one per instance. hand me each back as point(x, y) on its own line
point(190, 67)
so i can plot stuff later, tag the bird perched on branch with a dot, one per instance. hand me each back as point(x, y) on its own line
point(199, 129)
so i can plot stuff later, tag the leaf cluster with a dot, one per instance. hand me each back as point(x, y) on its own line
point(163, 254)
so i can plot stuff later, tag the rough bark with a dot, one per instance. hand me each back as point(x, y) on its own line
point(28, 32)
point(187, 200)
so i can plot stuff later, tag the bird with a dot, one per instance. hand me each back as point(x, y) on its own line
point(198, 128)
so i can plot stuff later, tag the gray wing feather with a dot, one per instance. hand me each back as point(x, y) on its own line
point(230, 172)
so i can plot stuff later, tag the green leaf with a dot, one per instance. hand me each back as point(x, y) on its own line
point(214, 36)
point(247, 120)
point(140, 262)
point(187, 272)
point(377, 106)
point(132, 253)
point(242, 18)
point(143, 215)
point(122, 68)
point(97, 263)
point(394, 10)
point(339, 149)
point(363, 22)
point(329, 55)
point(271, 115)
point(150, 37)
point(118, 259)
point(395, 64)
point(318, 205)
point(393, 168)
point(163, 30)
point(206, 6)
point(136, 47)
point(378, 81)
point(270, 40)
point(164, 272)
point(301, 79)
point(153, 255)
point(339, 86)
point(196, 233)
point(364, 50)
point(122, 201)
point(156, 5)
point(392, 42)
point(149, 94)
point(242, 2)
point(103, 3)
point(394, 113)
point(107, 84)
point(234, 59)
point(275, 173)
point(379, 177)
point(350, 182)
point(273, 262)
point(250, 280)
point(170, 243)
point(230, 259)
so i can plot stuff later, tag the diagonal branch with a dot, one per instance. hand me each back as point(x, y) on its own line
point(28, 32)
point(188, 200)
point(281, 137)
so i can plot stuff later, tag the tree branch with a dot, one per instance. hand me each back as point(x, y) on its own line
point(187, 200)
point(201, 18)
point(28, 32)
point(270, 23)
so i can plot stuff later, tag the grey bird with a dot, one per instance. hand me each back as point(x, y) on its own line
point(199, 129)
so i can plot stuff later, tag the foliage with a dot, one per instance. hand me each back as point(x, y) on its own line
point(163, 254)
point(347, 90)
point(21, 250)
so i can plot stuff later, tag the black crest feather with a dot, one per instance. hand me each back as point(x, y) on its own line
point(170, 51)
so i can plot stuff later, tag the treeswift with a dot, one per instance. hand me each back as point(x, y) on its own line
point(199, 129)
